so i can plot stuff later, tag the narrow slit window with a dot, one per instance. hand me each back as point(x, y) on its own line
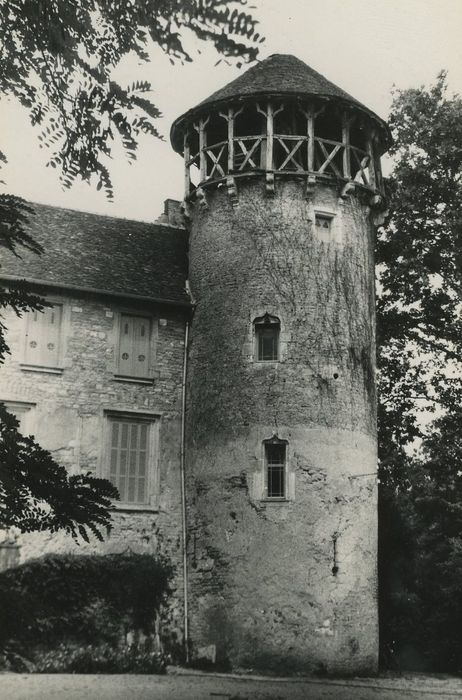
point(275, 467)
point(267, 332)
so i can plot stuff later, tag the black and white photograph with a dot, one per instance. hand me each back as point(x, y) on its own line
point(230, 349)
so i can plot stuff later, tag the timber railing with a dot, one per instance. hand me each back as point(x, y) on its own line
point(290, 154)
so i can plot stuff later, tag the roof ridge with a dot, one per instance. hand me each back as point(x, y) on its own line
point(110, 217)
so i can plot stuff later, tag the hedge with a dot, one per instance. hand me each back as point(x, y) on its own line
point(83, 606)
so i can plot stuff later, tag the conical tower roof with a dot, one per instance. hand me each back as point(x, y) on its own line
point(278, 75)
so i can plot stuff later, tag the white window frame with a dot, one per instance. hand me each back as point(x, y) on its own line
point(153, 334)
point(58, 367)
point(152, 469)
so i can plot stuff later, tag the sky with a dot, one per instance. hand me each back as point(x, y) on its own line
point(364, 46)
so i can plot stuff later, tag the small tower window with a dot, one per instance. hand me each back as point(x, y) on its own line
point(267, 331)
point(323, 223)
point(275, 468)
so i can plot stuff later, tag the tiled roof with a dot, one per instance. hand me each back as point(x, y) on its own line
point(279, 74)
point(282, 74)
point(118, 256)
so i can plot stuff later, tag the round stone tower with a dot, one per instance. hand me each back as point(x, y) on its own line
point(283, 188)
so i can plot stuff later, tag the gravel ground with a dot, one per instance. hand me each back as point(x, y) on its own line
point(197, 686)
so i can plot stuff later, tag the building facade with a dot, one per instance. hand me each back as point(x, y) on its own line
point(97, 377)
point(272, 317)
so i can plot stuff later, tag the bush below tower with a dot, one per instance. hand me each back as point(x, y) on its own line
point(87, 614)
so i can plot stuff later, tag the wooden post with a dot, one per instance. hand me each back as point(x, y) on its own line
point(230, 139)
point(230, 117)
point(346, 146)
point(269, 145)
point(310, 133)
point(371, 154)
point(187, 156)
point(202, 146)
point(269, 137)
point(378, 172)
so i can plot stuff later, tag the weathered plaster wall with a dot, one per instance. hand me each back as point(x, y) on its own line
point(264, 588)
point(68, 418)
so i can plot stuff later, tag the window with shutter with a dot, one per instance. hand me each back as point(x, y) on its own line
point(132, 458)
point(44, 337)
point(134, 346)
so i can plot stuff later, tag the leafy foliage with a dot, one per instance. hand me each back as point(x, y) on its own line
point(419, 360)
point(38, 494)
point(21, 297)
point(420, 261)
point(60, 609)
point(101, 658)
point(58, 59)
point(14, 216)
point(421, 576)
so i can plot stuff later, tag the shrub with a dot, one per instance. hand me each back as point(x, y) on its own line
point(102, 658)
point(82, 603)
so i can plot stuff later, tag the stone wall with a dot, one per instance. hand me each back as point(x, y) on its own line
point(67, 417)
point(288, 584)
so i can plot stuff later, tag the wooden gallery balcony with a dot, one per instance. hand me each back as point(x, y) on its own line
point(276, 138)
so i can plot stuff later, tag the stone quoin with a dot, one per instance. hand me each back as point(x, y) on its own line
point(237, 339)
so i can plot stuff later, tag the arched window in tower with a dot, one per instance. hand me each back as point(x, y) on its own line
point(267, 332)
point(275, 468)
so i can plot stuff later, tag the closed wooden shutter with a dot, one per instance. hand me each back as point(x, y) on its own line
point(126, 345)
point(129, 459)
point(134, 346)
point(44, 337)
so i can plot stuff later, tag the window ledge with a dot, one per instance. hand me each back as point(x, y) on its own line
point(133, 380)
point(266, 363)
point(39, 368)
point(276, 501)
point(137, 507)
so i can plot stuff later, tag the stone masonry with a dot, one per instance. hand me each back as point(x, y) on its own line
point(67, 417)
point(283, 189)
point(291, 583)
